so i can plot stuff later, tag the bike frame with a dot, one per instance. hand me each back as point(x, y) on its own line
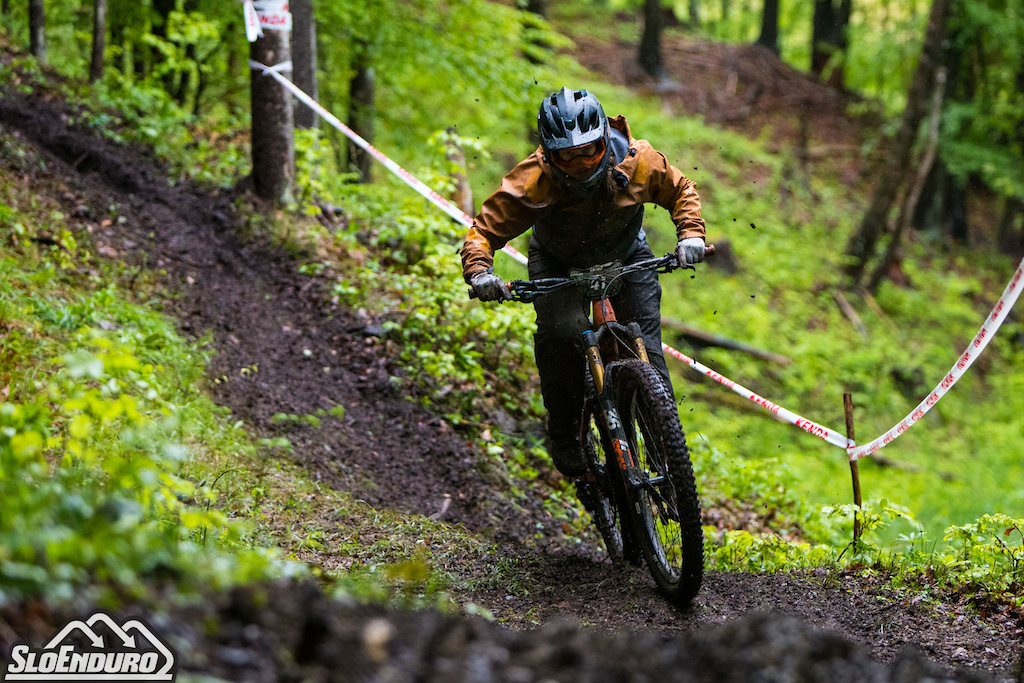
point(606, 338)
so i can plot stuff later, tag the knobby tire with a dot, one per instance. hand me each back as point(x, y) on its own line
point(666, 514)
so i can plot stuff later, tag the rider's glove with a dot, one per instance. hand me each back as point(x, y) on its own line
point(690, 251)
point(489, 287)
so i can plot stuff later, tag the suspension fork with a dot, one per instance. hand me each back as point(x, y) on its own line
point(624, 457)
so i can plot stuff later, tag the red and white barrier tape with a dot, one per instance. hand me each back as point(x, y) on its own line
point(974, 349)
point(809, 426)
point(992, 323)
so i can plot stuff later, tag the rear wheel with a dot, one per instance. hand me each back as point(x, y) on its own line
point(665, 506)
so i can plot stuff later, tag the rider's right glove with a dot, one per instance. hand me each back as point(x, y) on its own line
point(690, 251)
point(489, 287)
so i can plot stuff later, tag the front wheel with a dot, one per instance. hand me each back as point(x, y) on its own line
point(664, 502)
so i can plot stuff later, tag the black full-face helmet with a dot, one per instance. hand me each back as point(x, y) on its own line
point(570, 119)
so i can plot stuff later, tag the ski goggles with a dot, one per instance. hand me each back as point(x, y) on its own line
point(579, 160)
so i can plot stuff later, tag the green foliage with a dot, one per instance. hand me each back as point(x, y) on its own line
point(743, 551)
point(991, 555)
point(98, 398)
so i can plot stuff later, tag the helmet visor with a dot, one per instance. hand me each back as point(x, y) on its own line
point(580, 162)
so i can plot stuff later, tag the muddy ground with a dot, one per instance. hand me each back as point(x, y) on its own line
point(390, 452)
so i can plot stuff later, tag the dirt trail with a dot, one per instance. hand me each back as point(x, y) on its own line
point(392, 453)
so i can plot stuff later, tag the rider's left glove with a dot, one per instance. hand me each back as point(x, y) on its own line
point(489, 287)
point(690, 251)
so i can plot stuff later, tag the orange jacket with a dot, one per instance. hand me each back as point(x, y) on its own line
point(581, 231)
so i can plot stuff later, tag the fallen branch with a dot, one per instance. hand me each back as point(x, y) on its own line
point(851, 314)
point(700, 337)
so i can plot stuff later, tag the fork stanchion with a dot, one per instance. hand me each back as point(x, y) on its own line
point(854, 471)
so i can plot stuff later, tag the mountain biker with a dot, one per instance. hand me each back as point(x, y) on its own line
point(583, 193)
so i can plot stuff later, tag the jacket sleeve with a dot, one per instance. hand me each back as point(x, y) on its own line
point(669, 188)
point(506, 214)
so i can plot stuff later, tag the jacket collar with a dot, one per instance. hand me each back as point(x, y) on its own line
point(627, 165)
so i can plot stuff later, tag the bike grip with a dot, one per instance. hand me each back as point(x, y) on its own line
point(472, 293)
point(709, 250)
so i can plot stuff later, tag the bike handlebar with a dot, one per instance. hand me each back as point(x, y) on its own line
point(527, 291)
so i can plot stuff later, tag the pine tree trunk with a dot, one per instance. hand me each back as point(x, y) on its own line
point(273, 137)
point(695, 13)
point(99, 39)
point(650, 43)
point(770, 26)
point(361, 111)
point(37, 29)
point(304, 59)
point(861, 246)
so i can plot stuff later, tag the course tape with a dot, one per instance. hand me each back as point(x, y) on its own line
point(988, 330)
point(831, 436)
point(421, 188)
point(967, 358)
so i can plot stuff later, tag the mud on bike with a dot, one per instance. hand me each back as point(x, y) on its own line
point(639, 487)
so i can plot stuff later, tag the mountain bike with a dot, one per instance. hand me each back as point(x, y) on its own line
point(639, 487)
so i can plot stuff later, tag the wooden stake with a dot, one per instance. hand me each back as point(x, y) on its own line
point(854, 472)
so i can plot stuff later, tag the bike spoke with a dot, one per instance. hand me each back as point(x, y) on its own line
point(657, 494)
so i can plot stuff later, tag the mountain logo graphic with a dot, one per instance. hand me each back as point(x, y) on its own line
point(101, 650)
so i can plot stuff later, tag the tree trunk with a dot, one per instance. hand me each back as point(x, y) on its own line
point(861, 245)
point(162, 9)
point(770, 26)
point(6, 7)
point(829, 37)
point(906, 216)
point(99, 39)
point(462, 195)
point(695, 13)
point(37, 29)
point(304, 59)
point(1006, 239)
point(234, 67)
point(537, 56)
point(361, 111)
point(650, 43)
point(959, 229)
point(273, 135)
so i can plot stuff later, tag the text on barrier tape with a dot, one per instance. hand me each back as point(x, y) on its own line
point(988, 330)
point(809, 426)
